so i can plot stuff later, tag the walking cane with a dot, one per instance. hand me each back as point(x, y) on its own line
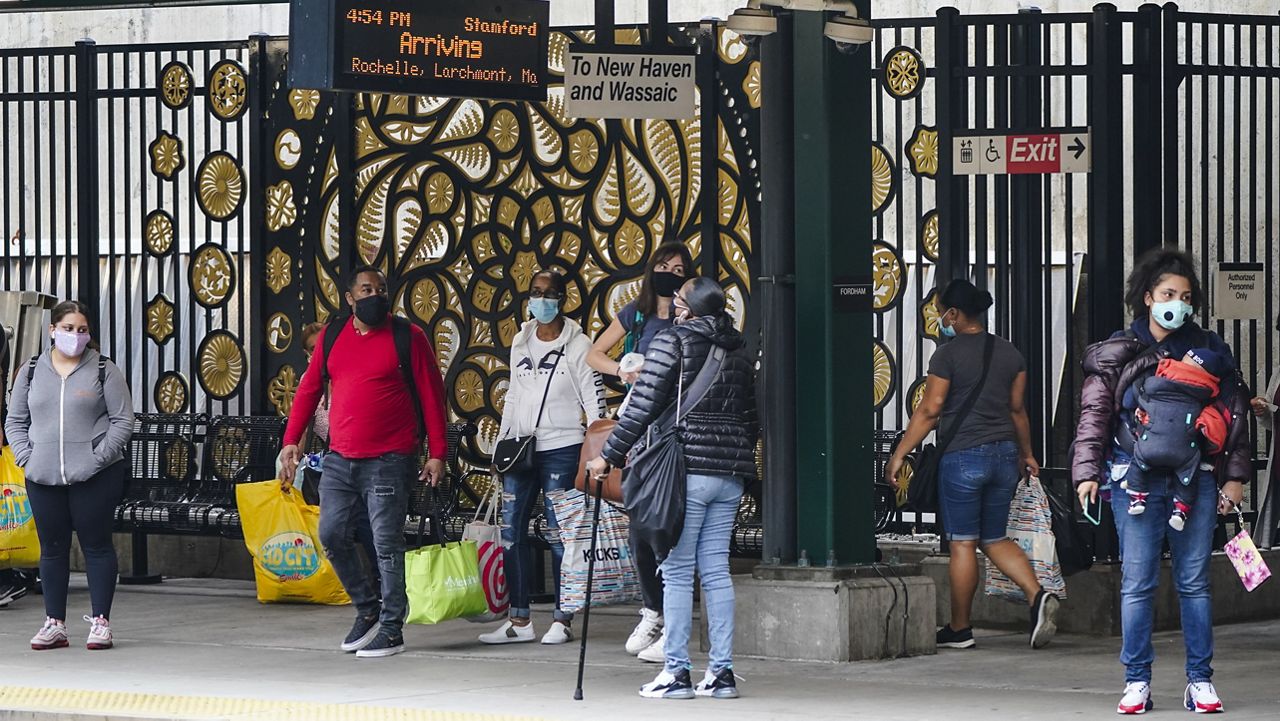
point(591, 568)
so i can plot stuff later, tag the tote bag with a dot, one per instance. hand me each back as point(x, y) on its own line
point(614, 579)
point(19, 546)
point(487, 535)
point(1031, 527)
point(282, 534)
point(442, 579)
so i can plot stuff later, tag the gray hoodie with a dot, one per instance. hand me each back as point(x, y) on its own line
point(66, 430)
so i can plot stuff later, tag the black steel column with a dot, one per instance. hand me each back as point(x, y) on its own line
point(776, 384)
point(1148, 217)
point(606, 21)
point(952, 115)
point(707, 60)
point(1026, 209)
point(256, 339)
point(1105, 263)
point(658, 24)
point(88, 272)
point(1171, 80)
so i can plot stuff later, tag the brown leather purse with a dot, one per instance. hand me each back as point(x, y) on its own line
point(592, 447)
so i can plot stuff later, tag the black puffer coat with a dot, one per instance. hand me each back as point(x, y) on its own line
point(720, 432)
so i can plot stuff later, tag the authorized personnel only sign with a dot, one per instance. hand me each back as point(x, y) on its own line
point(620, 84)
point(1240, 291)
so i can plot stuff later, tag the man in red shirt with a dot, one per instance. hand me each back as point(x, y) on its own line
point(374, 439)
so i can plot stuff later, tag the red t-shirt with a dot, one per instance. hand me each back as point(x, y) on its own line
point(370, 411)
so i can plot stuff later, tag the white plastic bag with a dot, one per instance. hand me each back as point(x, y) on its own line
point(1031, 527)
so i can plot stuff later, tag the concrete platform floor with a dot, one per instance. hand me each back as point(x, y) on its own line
point(210, 638)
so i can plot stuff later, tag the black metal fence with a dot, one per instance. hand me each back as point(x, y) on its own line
point(125, 185)
point(1182, 109)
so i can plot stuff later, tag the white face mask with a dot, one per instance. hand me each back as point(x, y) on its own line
point(72, 345)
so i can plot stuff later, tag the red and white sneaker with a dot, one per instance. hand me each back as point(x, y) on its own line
point(1202, 697)
point(99, 634)
point(53, 634)
point(1136, 699)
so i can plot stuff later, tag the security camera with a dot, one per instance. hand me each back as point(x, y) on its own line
point(750, 21)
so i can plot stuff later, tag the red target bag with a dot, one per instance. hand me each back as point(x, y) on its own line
point(488, 537)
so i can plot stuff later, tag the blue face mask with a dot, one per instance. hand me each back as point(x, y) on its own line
point(544, 310)
point(947, 331)
point(1172, 314)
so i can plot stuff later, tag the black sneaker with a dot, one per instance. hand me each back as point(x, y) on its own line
point(667, 685)
point(1043, 612)
point(948, 638)
point(382, 646)
point(11, 592)
point(362, 633)
point(718, 685)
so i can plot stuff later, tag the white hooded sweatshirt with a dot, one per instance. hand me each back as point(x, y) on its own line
point(576, 395)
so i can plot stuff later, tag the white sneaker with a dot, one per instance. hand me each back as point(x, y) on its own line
point(99, 634)
point(53, 634)
point(510, 633)
point(558, 633)
point(646, 633)
point(1136, 699)
point(656, 652)
point(1202, 698)
point(669, 685)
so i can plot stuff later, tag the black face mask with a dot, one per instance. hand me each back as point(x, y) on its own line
point(373, 309)
point(665, 284)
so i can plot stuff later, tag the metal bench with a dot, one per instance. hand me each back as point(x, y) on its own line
point(184, 470)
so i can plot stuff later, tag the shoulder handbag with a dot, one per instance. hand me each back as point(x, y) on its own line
point(592, 447)
point(653, 487)
point(922, 493)
point(516, 454)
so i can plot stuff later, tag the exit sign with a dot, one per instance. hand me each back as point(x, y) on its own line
point(1022, 153)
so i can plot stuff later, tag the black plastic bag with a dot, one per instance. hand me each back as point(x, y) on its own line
point(653, 492)
point(1075, 551)
point(922, 491)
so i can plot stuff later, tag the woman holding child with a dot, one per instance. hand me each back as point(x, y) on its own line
point(1163, 292)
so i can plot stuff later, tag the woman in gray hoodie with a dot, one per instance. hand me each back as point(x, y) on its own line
point(70, 421)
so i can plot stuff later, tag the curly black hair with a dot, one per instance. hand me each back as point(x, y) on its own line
point(1153, 267)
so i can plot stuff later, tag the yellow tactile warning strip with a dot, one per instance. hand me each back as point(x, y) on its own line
point(55, 703)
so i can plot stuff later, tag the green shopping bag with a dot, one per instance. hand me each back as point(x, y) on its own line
point(443, 579)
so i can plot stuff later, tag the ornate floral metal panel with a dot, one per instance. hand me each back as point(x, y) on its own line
point(461, 201)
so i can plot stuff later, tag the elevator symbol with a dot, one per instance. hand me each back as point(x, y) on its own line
point(966, 151)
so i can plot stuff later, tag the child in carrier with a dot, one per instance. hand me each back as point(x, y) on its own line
point(1174, 426)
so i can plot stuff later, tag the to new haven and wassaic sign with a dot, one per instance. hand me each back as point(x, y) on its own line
point(623, 83)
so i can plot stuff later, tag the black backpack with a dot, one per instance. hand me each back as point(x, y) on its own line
point(401, 333)
point(102, 370)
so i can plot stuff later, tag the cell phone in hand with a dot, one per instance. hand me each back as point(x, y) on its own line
point(1093, 510)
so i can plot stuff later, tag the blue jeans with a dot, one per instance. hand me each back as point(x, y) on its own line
point(382, 486)
point(552, 471)
point(1141, 541)
point(711, 506)
point(975, 488)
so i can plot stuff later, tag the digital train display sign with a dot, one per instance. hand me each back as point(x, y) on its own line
point(461, 48)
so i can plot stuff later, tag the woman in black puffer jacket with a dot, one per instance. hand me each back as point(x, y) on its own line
point(719, 437)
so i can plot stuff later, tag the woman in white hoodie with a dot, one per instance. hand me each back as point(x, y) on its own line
point(553, 395)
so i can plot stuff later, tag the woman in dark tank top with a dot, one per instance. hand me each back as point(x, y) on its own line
point(986, 452)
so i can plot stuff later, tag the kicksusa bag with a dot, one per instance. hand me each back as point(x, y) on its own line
point(282, 533)
point(487, 536)
point(614, 579)
point(19, 547)
point(1031, 527)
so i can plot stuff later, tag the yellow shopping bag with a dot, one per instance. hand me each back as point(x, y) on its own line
point(282, 533)
point(19, 547)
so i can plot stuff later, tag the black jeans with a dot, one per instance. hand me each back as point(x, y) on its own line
point(647, 571)
point(87, 508)
point(381, 485)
